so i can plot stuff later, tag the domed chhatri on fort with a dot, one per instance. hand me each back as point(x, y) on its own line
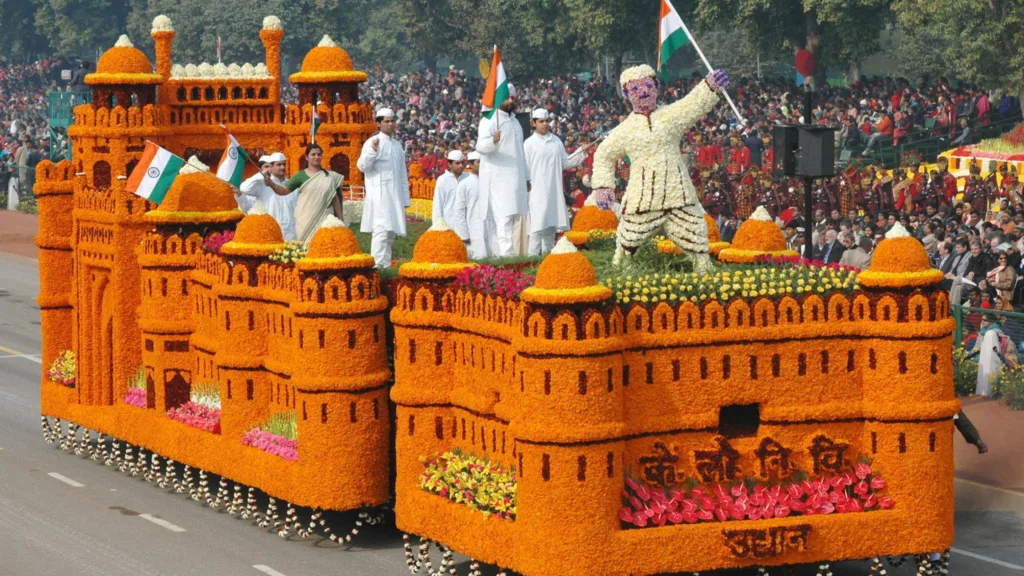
point(899, 260)
point(257, 235)
point(123, 64)
point(756, 236)
point(327, 63)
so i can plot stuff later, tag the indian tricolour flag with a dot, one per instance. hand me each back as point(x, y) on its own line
point(232, 162)
point(153, 175)
point(672, 33)
point(496, 91)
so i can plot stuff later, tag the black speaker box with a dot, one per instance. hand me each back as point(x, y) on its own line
point(785, 141)
point(817, 155)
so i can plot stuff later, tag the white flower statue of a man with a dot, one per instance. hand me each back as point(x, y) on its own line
point(660, 195)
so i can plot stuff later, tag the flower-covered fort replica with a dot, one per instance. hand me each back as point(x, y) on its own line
point(764, 412)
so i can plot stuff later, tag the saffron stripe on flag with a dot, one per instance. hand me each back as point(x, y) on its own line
point(139, 172)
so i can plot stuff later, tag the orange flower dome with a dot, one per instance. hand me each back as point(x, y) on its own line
point(258, 234)
point(327, 62)
point(757, 236)
point(334, 246)
point(594, 218)
point(439, 253)
point(197, 197)
point(565, 276)
point(123, 64)
point(899, 261)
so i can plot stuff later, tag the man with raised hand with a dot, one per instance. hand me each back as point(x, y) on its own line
point(503, 173)
point(382, 162)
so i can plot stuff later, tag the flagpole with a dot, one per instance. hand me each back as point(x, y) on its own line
point(704, 58)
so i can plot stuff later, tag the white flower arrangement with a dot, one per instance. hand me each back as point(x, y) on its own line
point(272, 23)
point(162, 24)
point(206, 394)
point(233, 71)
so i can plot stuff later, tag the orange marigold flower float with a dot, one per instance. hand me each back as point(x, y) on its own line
point(757, 236)
point(565, 277)
point(327, 62)
point(899, 261)
point(258, 234)
point(197, 197)
point(439, 253)
point(334, 246)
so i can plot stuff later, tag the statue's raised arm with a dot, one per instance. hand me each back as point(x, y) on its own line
point(659, 196)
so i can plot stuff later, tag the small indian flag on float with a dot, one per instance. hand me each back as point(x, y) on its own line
point(232, 162)
point(153, 175)
point(672, 33)
point(496, 91)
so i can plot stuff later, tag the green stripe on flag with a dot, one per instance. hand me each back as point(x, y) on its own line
point(500, 96)
point(676, 40)
point(163, 184)
point(236, 175)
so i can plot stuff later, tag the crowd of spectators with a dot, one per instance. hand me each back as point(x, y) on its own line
point(24, 116)
point(440, 111)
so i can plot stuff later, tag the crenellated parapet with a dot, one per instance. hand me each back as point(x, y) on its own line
point(582, 395)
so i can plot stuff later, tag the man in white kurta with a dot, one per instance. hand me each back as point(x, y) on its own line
point(546, 159)
point(503, 172)
point(280, 206)
point(660, 195)
point(386, 182)
point(448, 204)
point(476, 211)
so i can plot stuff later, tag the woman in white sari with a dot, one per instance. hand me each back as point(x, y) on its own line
point(319, 194)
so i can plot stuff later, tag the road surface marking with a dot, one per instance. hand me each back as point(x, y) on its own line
point(162, 523)
point(991, 487)
point(267, 570)
point(16, 354)
point(987, 559)
point(66, 480)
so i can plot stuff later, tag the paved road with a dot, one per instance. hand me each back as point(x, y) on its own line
point(65, 515)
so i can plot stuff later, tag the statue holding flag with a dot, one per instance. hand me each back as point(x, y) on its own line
point(660, 195)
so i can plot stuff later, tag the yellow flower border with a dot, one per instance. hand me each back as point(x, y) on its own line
point(243, 249)
point(430, 270)
point(324, 77)
point(873, 279)
point(594, 293)
point(578, 239)
point(162, 217)
point(102, 78)
point(336, 263)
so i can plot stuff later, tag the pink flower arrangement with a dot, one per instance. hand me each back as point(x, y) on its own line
point(273, 444)
point(492, 280)
point(136, 397)
point(197, 416)
point(214, 242)
point(837, 494)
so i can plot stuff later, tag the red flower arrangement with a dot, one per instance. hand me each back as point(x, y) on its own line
point(836, 494)
point(214, 242)
point(493, 280)
point(197, 416)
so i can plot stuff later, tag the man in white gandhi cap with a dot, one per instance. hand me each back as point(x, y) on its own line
point(503, 173)
point(382, 163)
point(546, 159)
point(448, 205)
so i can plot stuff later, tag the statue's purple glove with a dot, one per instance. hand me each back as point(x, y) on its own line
point(604, 197)
point(718, 80)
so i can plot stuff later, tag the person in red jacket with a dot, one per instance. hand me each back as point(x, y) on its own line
point(949, 184)
point(739, 155)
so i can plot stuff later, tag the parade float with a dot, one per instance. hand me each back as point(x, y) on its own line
point(989, 154)
point(766, 412)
